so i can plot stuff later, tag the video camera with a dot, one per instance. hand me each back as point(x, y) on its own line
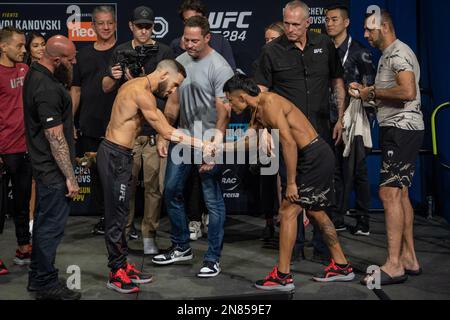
point(135, 59)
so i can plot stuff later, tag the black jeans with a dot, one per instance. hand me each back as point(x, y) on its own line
point(268, 199)
point(52, 212)
point(18, 168)
point(351, 174)
point(90, 144)
point(115, 165)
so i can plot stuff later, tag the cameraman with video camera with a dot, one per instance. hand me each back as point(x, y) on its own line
point(129, 60)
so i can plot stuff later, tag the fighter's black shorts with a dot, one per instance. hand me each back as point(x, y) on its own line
point(315, 169)
point(400, 149)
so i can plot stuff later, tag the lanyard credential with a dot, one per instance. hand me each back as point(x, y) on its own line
point(348, 50)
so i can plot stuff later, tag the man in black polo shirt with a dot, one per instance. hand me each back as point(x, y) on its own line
point(49, 125)
point(145, 153)
point(300, 66)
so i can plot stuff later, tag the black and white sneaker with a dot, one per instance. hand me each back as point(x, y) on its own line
point(210, 269)
point(361, 229)
point(99, 228)
point(339, 225)
point(133, 234)
point(173, 255)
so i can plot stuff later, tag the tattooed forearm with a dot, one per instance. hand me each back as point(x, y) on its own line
point(340, 94)
point(60, 151)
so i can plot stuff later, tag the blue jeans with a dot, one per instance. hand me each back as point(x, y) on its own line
point(52, 212)
point(176, 176)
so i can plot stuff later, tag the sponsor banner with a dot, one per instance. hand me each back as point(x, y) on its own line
point(82, 203)
point(69, 19)
point(241, 22)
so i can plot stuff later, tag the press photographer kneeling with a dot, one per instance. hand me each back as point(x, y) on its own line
point(132, 59)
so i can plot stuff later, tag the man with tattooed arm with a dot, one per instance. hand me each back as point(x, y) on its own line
point(49, 135)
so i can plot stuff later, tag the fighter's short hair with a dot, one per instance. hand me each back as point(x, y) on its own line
point(242, 82)
point(172, 65)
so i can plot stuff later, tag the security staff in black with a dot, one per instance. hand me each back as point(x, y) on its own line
point(49, 135)
point(301, 66)
point(351, 171)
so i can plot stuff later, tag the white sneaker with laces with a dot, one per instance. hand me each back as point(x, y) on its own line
point(210, 269)
point(173, 255)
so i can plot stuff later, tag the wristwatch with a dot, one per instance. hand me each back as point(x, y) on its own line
point(372, 95)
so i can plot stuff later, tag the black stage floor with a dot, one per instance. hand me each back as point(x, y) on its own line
point(245, 259)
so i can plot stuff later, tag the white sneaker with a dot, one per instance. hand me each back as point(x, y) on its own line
point(150, 246)
point(173, 255)
point(195, 231)
point(205, 222)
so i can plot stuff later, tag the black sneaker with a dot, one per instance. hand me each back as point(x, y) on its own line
point(333, 273)
point(133, 234)
point(210, 269)
point(361, 229)
point(173, 255)
point(31, 288)
point(268, 232)
point(274, 283)
point(60, 292)
point(339, 225)
point(99, 228)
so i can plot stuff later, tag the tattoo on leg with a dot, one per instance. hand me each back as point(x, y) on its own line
point(329, 234)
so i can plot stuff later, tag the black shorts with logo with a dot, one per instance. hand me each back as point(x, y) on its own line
point(315, 170)
point(400, 149)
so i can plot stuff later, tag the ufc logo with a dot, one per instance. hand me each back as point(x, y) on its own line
point(222, 20)
point(123, 190)
point(316, 51)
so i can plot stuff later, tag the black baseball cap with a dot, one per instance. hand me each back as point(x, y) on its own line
point(143, 14)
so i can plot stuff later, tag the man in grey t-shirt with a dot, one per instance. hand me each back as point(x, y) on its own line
point(397, 96)
point(200, 105)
